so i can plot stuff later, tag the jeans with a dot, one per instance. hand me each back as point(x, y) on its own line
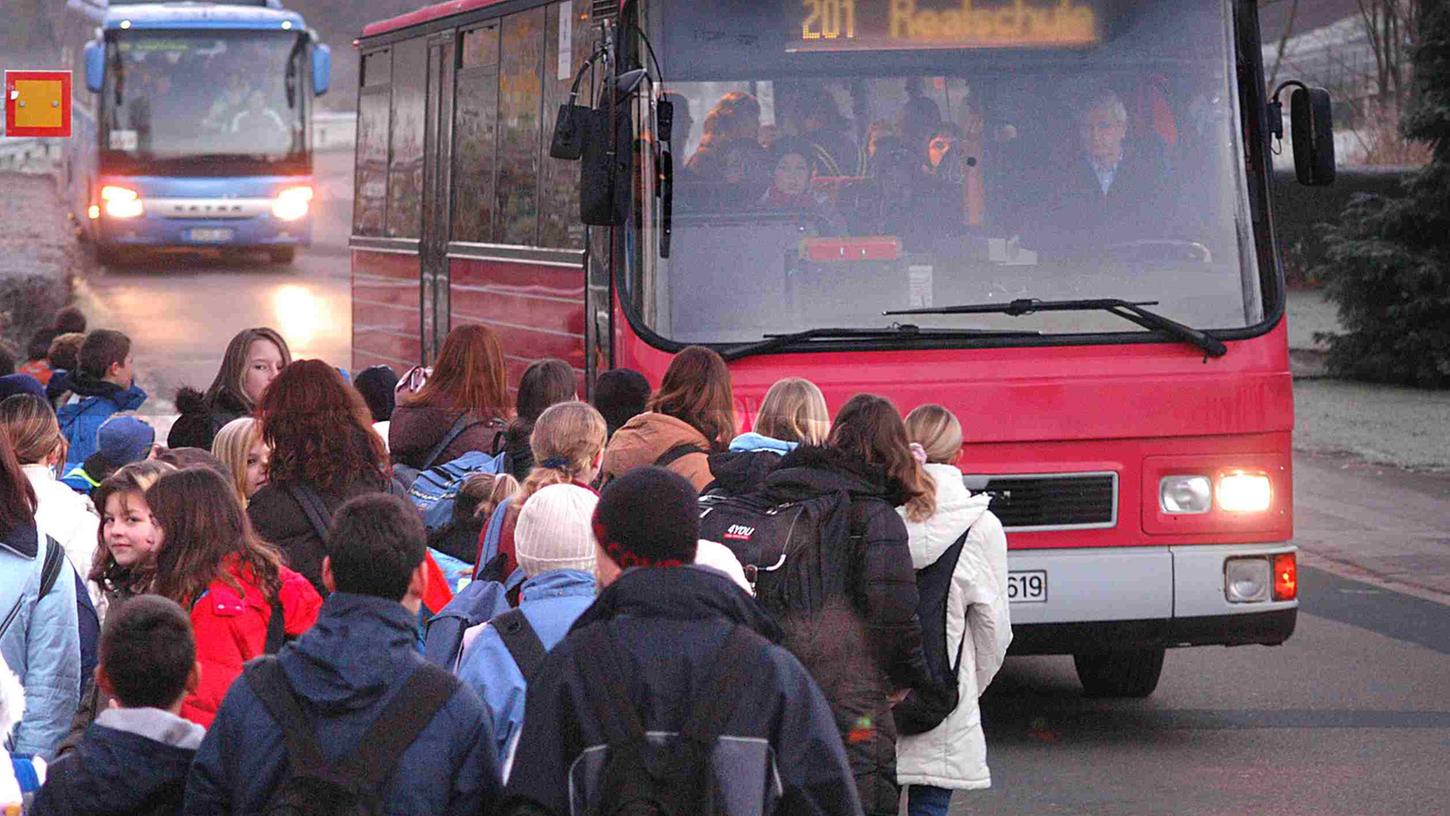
point(924, 800)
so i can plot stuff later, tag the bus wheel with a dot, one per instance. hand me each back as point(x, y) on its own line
point(282, 255)
point(1119, 674)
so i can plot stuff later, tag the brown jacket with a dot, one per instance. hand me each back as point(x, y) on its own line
point(647, 437)
point(415, 430)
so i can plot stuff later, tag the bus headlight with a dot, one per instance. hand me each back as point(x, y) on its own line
point(1185, 495)
point(121, 202)
point(292, 204)
point(1244, 492)
point(1246, 580)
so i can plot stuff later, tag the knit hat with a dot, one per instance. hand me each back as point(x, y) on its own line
point(649, 517)
point(554, 530)
point(12, 384)
point(125, 439)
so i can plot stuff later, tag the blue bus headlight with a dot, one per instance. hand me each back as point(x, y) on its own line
point(121, 202)
point(292, 204)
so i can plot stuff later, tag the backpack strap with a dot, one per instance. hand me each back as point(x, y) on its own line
point(677, 453)
point(266, 679)
point(50, 570)
point(606, 683)
point(459, 428)
point(313, 507)
point(410, 711)
point(731, 675)
point(521, 640)
point(276, 627)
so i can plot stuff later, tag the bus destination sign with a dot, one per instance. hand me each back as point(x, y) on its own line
point(907, 25)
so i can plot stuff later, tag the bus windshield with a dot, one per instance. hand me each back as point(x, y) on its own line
point(835, 159)
point(180, 95)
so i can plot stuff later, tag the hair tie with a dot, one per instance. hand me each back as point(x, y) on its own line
point(555, 463)
point(918, 453)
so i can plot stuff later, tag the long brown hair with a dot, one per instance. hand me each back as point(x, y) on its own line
point(870, 428)
point(470, 375)
point(233, 371)
point(30, 423)
point(17, 497)
point(566, 441)
point(131, 481)
point(697, 390)
point(204, 526)
point(320, 430)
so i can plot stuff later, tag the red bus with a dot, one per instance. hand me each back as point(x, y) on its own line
point(1070, 198)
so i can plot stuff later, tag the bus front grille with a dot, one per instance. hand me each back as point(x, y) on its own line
point(1051, 501)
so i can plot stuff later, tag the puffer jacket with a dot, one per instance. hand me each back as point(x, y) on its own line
point(201, 419)
point(954, 754)
point(743, 468)
point(71, 519)
point(345, 671)
point(647, 437)
point(415, 430)
point(90, 404)
point(42, 643)
point(231, 628)
point(864, 647)
point(132, 761)
point(669, 624)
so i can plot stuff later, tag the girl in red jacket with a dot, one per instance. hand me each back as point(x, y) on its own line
point(235, 585)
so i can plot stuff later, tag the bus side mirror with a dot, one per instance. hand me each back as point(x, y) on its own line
point(604, 177)
point(321, 69)
point(1311, 119)
point(95, 66)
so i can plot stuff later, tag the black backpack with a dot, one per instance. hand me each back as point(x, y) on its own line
point(677, 778)
point(927, 707)
point(781, 546)
point(352, 786)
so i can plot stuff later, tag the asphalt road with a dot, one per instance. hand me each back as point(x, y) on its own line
point(1351, 716)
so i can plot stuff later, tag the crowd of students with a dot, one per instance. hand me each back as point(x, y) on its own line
point(249, 619)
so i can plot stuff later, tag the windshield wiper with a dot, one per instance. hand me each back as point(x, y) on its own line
point(775, 342)
point(1134, 312)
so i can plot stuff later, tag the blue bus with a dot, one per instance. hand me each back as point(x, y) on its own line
point(193, 126)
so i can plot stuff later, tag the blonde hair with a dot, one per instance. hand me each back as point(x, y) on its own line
point(487, 491)
point(30, 423)
point(794, 410)
point(232, 445)
point(567, 438)
point(937, 431)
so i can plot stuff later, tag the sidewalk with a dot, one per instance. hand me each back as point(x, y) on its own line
point(1404, 427)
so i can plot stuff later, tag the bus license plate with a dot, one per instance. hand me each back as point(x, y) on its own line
point(211, 236)
point(1027, 587)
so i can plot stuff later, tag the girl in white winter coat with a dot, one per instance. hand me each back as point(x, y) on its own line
point(953, 756)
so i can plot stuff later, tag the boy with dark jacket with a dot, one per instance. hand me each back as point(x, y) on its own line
point(669, 624)
point(343, 677)
point(134, 759)
point(104, 383)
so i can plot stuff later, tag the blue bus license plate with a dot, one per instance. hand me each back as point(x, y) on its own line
point(210, 236)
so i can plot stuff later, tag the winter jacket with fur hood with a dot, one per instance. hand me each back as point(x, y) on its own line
point(201, 418)
point(954, 754)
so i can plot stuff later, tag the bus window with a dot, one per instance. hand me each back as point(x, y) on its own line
point(520, 100)
point(475, 137)
point(370, 205)
point(405, 179)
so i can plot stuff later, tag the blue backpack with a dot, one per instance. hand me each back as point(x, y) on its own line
point(479, 602)
point(434, 489)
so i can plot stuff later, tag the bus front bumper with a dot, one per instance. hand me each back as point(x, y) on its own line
point(154, 231)
point(1112, 599)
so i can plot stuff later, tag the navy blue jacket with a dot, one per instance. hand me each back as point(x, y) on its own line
point(670, 624)
point(139, 768)
point(345, 669)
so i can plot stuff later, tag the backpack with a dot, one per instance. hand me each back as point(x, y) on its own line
point(87, 621)
point(780, 546)
point(641, 777)
point(479, 602)
point(521, 640)
point(677, 453)
point(927, 707)
point(434, 487)
point(352, 786)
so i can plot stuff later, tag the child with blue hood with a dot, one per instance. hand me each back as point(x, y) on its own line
point(794, 413)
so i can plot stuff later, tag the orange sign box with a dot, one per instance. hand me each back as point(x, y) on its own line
point(38, 104)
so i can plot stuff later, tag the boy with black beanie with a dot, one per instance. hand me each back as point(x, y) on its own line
point(666, 635)
point(135, 757)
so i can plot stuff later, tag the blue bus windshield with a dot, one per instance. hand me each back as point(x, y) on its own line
point(237, 95)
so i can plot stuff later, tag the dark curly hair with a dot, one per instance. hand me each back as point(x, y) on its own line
point(320, 430)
